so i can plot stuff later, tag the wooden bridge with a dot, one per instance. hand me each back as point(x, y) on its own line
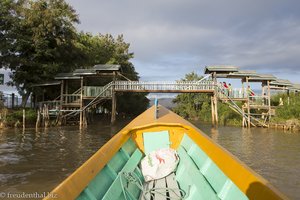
point(85, 97)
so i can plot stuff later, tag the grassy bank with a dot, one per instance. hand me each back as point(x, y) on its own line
point(14, 117)
point(288, 109)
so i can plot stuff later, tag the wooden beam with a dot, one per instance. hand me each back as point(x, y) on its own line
point(166, 91)
point(212, 110)
point(215, 98)
point(269, 97)
point(113, 102)
point(248, 104)
point(61, 94)
point(216, 109)
point(81, 103)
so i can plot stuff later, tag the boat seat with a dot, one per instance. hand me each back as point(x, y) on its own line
point(161, 194)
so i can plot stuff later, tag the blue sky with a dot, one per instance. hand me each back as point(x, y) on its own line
point(173, 37)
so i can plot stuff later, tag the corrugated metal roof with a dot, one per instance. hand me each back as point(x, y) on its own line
point(242, 74)
point(107, 67)
point(66, 76)
point(262, 77)
point(96, 69)
point(49, 83)
point(294, 87)
point(281, 82)
point(82, 72)
point(220, 69)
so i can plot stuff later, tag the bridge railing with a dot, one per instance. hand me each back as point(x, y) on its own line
point(94, 91)
point(52, 105)
point(233, 93)
point(259, 100)
point(163, 85)
point(71, 98)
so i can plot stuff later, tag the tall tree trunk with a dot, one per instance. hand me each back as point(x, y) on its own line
point(25, 99)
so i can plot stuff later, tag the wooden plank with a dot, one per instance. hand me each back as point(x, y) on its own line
point(160, 185)
point(166, 91)
point(172, 184)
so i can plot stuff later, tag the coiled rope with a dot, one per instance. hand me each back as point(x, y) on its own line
point(131, 177)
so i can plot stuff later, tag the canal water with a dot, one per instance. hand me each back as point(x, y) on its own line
point(35, 162)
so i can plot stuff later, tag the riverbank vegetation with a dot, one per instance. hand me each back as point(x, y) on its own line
point(288, 109)
point(14, 117)
point(196, 106)
point(39, 39)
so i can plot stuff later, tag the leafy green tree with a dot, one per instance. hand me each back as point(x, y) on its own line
point(99, 48)
point(37, 41)
point(188, 105)
point(198, 106)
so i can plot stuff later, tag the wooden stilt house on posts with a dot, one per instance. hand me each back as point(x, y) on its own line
point(218, 72)
point(231, 95)
point(84, 89)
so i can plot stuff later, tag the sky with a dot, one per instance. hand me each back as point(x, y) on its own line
point(173, 37)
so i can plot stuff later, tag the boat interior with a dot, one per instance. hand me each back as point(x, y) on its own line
point(196, 177)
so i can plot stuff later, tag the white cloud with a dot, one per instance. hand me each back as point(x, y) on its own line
point(173, 37)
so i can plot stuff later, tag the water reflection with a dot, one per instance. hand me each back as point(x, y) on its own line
point(274, 154)
point(36, 161)
point(214, 133)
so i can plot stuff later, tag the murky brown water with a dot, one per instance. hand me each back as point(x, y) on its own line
point(36, 162)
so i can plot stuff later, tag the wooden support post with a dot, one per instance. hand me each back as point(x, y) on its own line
point(216, 109)
point(81, 103)
point(24, 118)
point(243, 89)
point(248, 105)
point(212, 110)
point(38, 119)
point(215, 98)
point(46, 116)
point(269, 100)
point(61, 102)
point(244, 120)
point(12, 100)
point(113, 101)
point(84, 121)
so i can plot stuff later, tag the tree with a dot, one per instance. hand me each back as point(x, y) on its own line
point(189, 104)
point(198, 106)
point(106, 49)
point(37, 41)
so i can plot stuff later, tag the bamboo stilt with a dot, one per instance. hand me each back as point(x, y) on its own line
point(248, 105)
point(269, 98)
point(113, 102)
point(46, 115)
point(216, 109)
point(24, 118)
point(38, 119)
point(212, 111)
point(81, 104)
